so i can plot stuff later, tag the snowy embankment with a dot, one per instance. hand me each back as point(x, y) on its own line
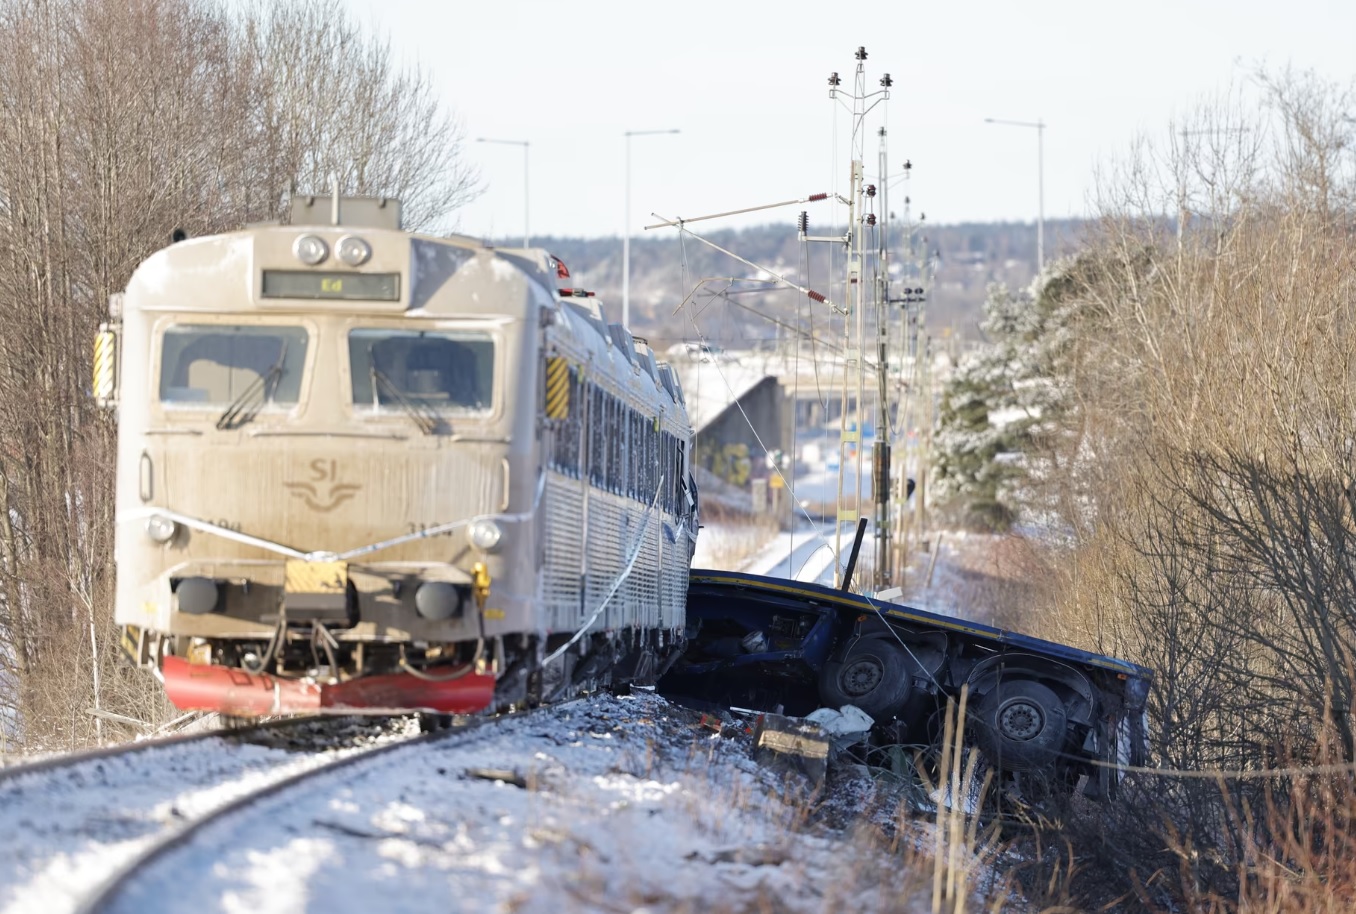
point(605, 804)
point(62, 832)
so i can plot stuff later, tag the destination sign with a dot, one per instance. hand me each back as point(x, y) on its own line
point(316, 284)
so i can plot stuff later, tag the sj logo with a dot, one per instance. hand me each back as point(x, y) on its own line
point(322, 491)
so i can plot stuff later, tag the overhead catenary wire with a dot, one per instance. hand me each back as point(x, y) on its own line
point(684, 230)
point(787, 484)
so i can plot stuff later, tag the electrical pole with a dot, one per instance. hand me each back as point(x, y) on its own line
point(880, 448)
point(1039, 126)
point(527, 232)
point(850, 508)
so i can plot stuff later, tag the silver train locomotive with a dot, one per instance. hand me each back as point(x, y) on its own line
point(360, 468)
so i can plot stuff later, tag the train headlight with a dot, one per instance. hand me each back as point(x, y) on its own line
point(485, 535)
point(437, 600)
point(160, 528)
point(197, 595)
point(310, 249)
point(353, 251)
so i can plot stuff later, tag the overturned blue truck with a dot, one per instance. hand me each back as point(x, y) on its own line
point(1037, 709)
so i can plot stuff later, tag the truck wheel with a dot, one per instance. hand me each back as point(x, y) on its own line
point(1021, 726)
point(873, 677)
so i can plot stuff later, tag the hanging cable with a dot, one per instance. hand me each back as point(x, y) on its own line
point(625, 573)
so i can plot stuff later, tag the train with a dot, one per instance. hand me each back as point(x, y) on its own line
point(361, 469)
point(366, 469)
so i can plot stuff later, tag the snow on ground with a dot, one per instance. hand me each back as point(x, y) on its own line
point(60, 835)
point(803, 554)
point(622, 804)
point(978, 577)
point(819, 486)
point(989, 578)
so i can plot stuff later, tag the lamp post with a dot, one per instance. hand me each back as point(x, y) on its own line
point(1039, 126)
point(626, 236)
point(527, 234)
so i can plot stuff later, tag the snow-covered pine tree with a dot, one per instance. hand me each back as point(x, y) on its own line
point(1005, 409)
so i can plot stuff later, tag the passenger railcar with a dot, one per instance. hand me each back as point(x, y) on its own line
point(363, 468)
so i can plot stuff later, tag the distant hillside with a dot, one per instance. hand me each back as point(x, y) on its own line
point(664, 271)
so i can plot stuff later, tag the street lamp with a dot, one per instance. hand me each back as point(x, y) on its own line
point(1039, 125)
point(626, 237)
point(527, 235)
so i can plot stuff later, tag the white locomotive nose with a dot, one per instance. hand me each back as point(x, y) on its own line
point(437, 600)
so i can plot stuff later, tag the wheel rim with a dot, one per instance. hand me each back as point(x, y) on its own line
point(1021, 720)
point(862, 676)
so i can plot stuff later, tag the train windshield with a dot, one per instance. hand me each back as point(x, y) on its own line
point(216, 365)
point(441, 370)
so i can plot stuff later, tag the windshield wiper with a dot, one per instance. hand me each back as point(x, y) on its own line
point(241, 411)
point(423, 416)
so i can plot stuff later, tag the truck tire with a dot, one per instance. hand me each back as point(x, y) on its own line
point(873, 676)
point(1021, 726)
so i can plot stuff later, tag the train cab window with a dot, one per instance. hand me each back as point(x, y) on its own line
point(441, 370)
point(215, 364)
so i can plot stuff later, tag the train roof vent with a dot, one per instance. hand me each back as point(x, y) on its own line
point(589, 310)
point(336, 209)
point(646, 356)
point(622, 338)
point(666, 378)
point(678, 389)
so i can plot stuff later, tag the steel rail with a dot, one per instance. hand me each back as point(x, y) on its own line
point(105, 896)
point(76, 759)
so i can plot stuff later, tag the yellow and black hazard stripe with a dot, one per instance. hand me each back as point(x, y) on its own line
point(557, 388)
point(105, 349)
point(131, 643)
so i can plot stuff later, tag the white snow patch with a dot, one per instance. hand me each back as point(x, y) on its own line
point(659, 816)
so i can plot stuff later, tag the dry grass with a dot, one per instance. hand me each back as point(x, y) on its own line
point(729, 539)
point(771, 846)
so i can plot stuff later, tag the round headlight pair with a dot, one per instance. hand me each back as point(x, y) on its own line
point(485, 535)
point(312, 250)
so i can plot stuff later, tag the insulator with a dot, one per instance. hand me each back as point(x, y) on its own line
point(886, 81)
point(870, 190)
point(803, 222)
point(833, 78)
point(815, 296)
point(815, 198)
point(908, 165)
point(861, 53)
point(870, 218)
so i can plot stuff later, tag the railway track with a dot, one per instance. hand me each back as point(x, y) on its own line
point(72, 821)
point(123, 891)
point(72, 760)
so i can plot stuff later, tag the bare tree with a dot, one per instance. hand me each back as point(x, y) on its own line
point(1216, 404)
point(119, 122)
point(331, 104)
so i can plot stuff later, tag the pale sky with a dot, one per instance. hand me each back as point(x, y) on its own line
point(746, 84)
